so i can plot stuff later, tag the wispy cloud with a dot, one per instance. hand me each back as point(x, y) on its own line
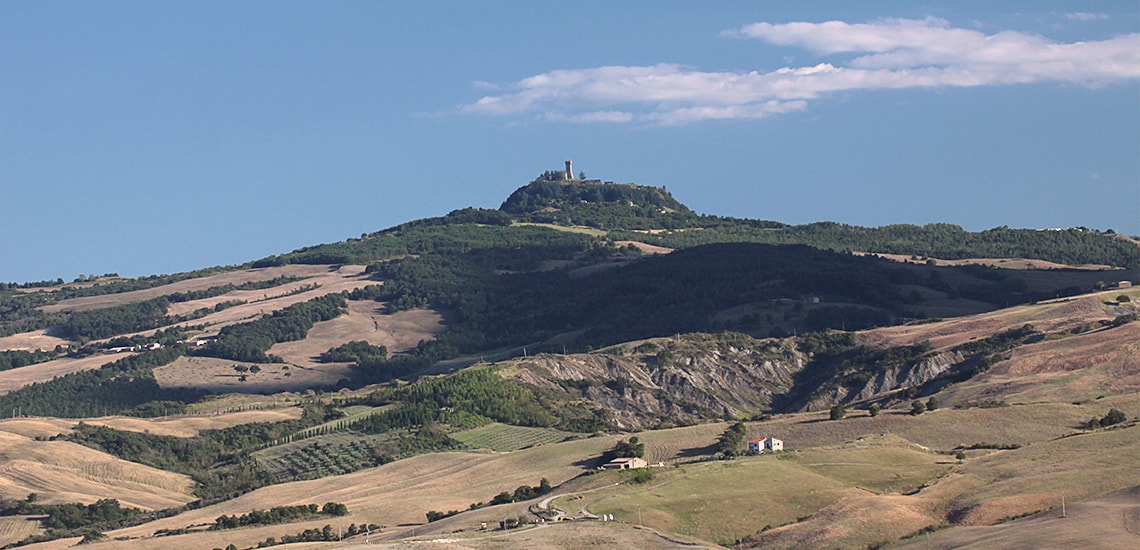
point(888, 54)
point(1086, 16)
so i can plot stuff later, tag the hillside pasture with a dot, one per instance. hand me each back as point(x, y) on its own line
point(61, 472)
point(728, 500)
point(220, 376)
point(14, 379)
point(1110, 521)
point(366, 321)
point(1056, 315)
point(1074, 368)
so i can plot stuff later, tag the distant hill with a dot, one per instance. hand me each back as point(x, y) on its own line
point(925, 376)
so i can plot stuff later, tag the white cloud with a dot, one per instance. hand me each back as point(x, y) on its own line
point(890, 54)
point(1086, 16)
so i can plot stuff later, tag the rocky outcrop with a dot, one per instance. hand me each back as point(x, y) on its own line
point(671, 381)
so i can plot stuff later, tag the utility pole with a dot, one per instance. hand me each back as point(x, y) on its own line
point(1063, 505)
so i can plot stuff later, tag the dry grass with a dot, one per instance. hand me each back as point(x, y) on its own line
point(1075, 368)
point(1053, 316)
point(1000, 263)
point(17, 528)
point(14, 379)
point(366, 322)
point(30, 341)
point(189, 426)
point(63, 472)
point(219, 375)
point(1111, 521)
point(201, 283)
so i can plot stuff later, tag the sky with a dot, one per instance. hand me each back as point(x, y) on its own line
point(142, 137)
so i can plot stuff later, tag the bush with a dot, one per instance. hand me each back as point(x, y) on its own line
point(1114, 416)
point(932, 404)
point(838, 412)
point(917, 408)
point(874, 410)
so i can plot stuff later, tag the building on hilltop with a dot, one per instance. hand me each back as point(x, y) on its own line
point(759, 446)
point(629, 463)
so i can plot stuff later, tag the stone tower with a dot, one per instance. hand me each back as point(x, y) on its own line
point(569, 170)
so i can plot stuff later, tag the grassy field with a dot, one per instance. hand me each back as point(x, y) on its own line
point(726, 501)
point(505, 438)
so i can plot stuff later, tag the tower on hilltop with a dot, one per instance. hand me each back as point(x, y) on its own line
point(569, 170)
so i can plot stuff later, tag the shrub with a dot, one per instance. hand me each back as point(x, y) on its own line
point(1114, 416)
point(838, 412)
point(874, 410)
point(917, 408)
point(932, 404)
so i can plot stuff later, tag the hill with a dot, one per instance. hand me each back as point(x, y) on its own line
point(481, 365)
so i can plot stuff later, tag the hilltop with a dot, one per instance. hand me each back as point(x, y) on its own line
point(447, 360)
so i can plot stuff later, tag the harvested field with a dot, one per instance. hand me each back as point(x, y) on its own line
point(30, 341)
point(366, 322)
point(173, 426)
point(346, 278)
point(393, 494)
point(33, 427)
point(189, 426)
point(220, 376)
point(17, 528)
point(62, 472)
point(1000, 263)
point(201, 283)
point(14, 379)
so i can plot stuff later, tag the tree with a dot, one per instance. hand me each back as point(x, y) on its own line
point(731, 439)
point(1114, 416)
point(932, 403)
point(917, 407)
point(838, 412)
point(632, 448)
point(960, 455)
point(874, 409)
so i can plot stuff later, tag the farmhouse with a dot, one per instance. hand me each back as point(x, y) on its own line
point(765, 444)
point(625, 464)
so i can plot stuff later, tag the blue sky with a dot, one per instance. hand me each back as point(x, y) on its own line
point(158, 137)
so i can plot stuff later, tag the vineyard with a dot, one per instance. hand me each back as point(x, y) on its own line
point(324, 455)
point(507, 438)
